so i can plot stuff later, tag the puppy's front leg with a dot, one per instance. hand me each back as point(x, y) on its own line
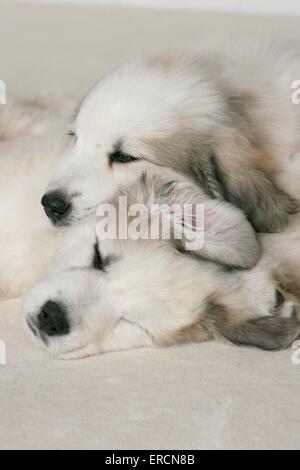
point(126, 335)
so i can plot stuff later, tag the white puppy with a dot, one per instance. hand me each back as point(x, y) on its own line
point(112, 294)
point(225, 120)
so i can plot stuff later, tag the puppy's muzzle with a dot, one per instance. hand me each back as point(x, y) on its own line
point(52, 319)
point(57, 206)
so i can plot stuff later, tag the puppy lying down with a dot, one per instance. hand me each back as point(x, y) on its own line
point(101, 295)
point(96, 295)
point(227, 119)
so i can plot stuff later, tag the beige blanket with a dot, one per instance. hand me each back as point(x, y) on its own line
point(197, 396)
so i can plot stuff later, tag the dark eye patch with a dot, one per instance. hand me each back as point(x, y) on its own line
point(98, 262)
point(119, 157)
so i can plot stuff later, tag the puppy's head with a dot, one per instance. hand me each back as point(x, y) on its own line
point(166, 113)
point(72, 308)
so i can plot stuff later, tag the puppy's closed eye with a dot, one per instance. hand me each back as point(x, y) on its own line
point(72, 134)
point(120, 157)
point(100, 262)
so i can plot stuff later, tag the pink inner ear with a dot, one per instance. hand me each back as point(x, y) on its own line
point(216, 219)
point(211, 218)
point(190, 220)
point(193, 218)
point(220, 221)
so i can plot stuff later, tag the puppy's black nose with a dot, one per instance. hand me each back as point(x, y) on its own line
point(52, 319)
point(56, 205)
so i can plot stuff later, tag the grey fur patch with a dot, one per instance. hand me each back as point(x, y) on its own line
point(267, 207)
point(230, 158)
point(269, 333)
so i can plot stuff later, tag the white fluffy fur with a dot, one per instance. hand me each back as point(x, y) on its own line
point(150, 292)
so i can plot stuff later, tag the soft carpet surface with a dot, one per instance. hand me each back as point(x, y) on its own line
point(198, 396)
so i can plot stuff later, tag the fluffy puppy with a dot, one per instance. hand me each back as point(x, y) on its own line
point(105, 293)
point(224, 119)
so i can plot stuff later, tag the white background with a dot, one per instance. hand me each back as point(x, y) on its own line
point(272, 7)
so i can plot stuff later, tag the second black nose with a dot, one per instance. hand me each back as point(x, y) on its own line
point(52, 319)
point(56, 205)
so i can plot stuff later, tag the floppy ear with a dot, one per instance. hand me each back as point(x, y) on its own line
point(243, 176)
point(212, 229)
